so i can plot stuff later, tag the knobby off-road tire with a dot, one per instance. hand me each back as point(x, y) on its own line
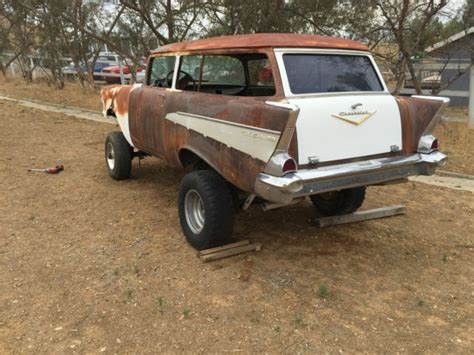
point(206, 211)
point(339, 202)
point(118, 156)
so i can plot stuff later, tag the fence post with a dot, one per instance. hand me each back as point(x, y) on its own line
point(471, 97)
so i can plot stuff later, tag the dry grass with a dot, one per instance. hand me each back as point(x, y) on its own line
point(71, 95)
point(457, 140)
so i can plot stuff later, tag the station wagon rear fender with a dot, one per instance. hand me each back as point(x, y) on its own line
point(419, 115)
point(237, 136)
point(115, 102)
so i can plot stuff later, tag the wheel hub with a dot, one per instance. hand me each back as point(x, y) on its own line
point(110, 155)
point(194, 211)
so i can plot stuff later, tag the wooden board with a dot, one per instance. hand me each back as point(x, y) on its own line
point(361, 216)
point(228, 250)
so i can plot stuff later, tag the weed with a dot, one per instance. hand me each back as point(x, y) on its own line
point(297, 320)
point(128, 293)
point(115, 272)
point(136, 270)
point(277, 329)
point(161, 302)
point(186, 313)
point(445, 257)
point(322, 291)
point(421, 303)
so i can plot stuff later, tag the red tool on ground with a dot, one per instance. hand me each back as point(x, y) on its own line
point(55, 170)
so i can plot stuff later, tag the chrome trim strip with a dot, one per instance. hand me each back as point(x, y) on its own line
point(343, 176)
point(290, 128)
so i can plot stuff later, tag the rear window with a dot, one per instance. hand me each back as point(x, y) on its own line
point(320, 73)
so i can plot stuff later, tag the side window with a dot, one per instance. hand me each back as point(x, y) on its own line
point(224, 70)
point(226, 74)
point(191, 64)
point(260, 73)
point(162, 69)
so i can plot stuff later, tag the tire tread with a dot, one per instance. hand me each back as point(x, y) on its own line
point(219, 208)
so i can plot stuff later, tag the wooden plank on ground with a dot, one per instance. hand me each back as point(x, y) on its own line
point(224, 253)
point(361, 216)
point(223, 247)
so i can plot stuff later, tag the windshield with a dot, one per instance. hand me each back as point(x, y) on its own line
point(322, 73)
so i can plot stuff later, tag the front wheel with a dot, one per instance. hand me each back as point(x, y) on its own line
point(206, 211)
point(118, 156)
point(339, 202)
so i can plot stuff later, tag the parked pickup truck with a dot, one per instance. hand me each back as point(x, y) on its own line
point(269, 119)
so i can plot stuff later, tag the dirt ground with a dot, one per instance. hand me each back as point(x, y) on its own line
point(94, 265)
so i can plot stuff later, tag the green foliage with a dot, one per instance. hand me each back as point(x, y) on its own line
point(186, 312)
point(161, 303)
point(297, 320)
point(128, 293)
point(322, 291)
point(445, 257)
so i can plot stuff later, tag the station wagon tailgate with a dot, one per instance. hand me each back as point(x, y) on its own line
point(346, 110)
point(347, 126)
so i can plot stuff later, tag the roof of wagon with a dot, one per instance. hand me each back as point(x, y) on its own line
point(280, 40)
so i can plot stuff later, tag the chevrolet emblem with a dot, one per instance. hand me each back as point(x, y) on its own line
point(356, 117)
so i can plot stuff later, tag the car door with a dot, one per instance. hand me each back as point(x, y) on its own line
point(209, 116)
point(147, 106)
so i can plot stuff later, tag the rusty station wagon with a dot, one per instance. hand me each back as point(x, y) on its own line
point(269, 119)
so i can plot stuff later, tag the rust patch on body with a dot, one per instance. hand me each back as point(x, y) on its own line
point(115, 98)
point(262, 40)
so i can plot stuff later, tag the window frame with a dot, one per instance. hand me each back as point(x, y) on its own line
point(150, 66)
point(203, 59)
point(279, 52)
point(269, 55)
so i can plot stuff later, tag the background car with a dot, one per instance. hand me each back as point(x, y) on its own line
point(115, 69)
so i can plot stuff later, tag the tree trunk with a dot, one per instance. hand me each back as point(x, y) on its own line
point(401, 68)
point(411, 69)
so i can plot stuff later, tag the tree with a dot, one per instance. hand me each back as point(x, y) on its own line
point(21, 34)
point(169, 21)
point(230, 17)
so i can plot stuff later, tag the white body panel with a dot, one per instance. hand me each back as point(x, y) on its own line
point(257, 142)
point(335, 126)
point(324, 134)
point(123, 123)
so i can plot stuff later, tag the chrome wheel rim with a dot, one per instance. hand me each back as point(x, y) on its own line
point(194, 211)
point(110, 156)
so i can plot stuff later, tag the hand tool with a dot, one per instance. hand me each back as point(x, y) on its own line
point(58, 168)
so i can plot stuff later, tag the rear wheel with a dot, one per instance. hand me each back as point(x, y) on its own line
point(118, 156)
point(206, 211)
point(339, 202)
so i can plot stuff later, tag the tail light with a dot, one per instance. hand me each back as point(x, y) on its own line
point(281, 163)
point(428, 144)
point(289, 166)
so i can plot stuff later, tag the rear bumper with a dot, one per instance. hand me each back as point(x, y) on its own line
point(337, 177)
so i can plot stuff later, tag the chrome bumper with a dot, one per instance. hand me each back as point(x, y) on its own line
point(337, 177)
